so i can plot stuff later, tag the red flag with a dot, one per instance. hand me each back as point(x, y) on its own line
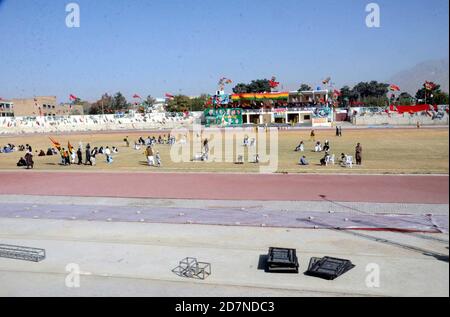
point(273, 83)
point(56, 144)
point(73, 97)
point(136, 96)
point(169, 96)
point(429, 85)
point(394, 88)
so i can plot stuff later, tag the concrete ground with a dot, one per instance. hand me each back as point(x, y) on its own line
point(136, 259)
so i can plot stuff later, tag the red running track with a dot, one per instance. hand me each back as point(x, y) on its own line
point(344, 188)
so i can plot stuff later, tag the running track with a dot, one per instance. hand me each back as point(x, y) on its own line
point(344, 188)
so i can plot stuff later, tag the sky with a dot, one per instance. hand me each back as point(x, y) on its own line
point(184, 46)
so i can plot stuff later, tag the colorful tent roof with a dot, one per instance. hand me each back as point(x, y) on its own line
point(261, 96)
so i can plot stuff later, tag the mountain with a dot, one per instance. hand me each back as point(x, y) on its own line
point(412, 79)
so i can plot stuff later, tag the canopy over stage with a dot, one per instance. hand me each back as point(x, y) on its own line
point(284, 96)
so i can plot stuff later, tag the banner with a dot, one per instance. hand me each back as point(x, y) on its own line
point(410, 109)
point(262, 96)
point(223, 117)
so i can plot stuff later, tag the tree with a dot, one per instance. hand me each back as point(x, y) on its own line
point(371, 89)
point(150, 101)
point(120, 102)
point(260, 86)
point(179, 103)
point(304, 87)
point(440, 98)
point(347, 95)
point(434, 96)
point(198, 103)
point(256, 86)
point(102, 106)
point(405, 99)
point(240, 88)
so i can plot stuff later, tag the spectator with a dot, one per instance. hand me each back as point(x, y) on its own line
point(300, 147)
point(358, 154)
point(29, 160)
point(303, 161)
point(80, 156)
point(22, 162)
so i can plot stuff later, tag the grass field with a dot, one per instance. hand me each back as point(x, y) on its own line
point(393, 151)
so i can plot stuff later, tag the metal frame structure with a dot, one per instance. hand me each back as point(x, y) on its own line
point(191, 268)
point(21, 253)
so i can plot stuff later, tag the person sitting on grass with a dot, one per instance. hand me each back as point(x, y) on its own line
point(303, 161)
point(318, 147)
point(300, 147)
point(343, 159)
point(324, 160)
point(21, 162)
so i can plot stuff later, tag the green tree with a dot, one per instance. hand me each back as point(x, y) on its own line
point(150, 101)
point(256, 86)
point(120, 102)
point(304, 87)
point(198, 103)
point(405, 99)
point(102, 106)
point(241, 88)
point(435, 96)
point(371, 89)
point(347, 96)
point(440, 98)
point(179, 103)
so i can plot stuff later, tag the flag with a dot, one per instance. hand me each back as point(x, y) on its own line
point(73, 97)
point(394, 88)
point(273, 83)
point(136, 96)
point(326, 81)
point(429, 85)
point(70, 147)
point(337, 93)
point(169, 96)
point(56, 144)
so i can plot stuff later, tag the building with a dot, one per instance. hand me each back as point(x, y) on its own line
point(6, 108)
point(43, 106)
point(291, 116)
point(309, 97)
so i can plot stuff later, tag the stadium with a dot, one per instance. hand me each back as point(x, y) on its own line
point(255, 189)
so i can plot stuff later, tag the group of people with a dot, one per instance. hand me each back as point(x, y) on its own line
point(328, 158)
point(153, 159)
point(317, 148)
point(27, 160)
point(69, 157)
point(169, 139)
